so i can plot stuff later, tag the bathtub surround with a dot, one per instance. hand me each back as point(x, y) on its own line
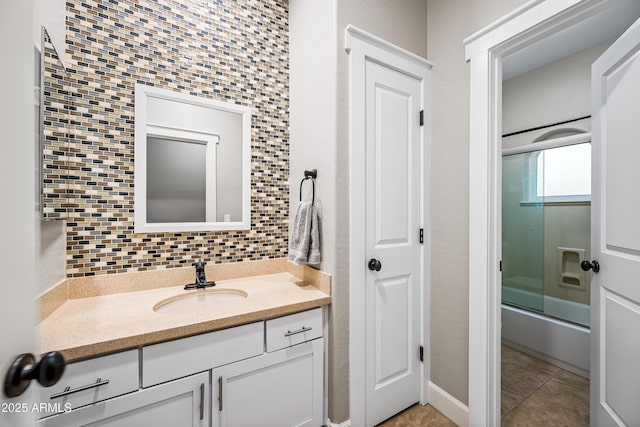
point(557, 342)
point(543, 240)
point(234, 51)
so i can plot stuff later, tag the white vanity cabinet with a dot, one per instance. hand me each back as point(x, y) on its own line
point(281, 388)
point(183, 402)
point(266, 373)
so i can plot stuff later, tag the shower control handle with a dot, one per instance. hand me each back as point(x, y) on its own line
point(593, 265)
point(374, 264)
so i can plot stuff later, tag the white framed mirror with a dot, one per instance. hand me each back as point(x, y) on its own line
point(192, 163)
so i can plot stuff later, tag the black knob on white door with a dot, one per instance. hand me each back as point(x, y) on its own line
point(593, 265)
point(374, 265)
point(24, 369)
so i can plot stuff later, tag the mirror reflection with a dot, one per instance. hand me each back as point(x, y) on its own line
point(54, 137)
point(177, 184)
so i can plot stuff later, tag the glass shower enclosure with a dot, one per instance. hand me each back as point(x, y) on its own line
point(546, 216)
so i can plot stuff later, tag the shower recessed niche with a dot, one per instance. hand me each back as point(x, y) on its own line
point(570, 275)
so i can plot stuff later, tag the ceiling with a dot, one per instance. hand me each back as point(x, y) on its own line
point(605, 26)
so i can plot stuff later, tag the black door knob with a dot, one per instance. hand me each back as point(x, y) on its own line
point(593, 265)
point(374, 264)
point(24, 369)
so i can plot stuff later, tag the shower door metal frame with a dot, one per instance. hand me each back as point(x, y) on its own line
point(548, 144)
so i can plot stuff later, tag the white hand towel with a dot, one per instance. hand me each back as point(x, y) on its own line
point(300, 240)
point(316, 232)
point(304, 243)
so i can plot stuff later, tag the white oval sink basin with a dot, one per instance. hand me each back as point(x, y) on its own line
point(200, 302)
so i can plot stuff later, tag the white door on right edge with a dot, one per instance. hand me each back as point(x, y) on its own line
point(615, 298)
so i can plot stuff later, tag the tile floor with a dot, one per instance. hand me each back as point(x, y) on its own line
point(418, 415)
point(534, 394)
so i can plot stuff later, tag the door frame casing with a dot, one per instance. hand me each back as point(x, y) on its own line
point(485, 50)
point(362, 46)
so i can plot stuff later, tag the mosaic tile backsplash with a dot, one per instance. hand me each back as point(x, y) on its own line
point(225, 50)
point(55, 121)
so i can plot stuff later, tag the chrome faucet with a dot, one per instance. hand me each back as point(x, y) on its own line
point(201, 278)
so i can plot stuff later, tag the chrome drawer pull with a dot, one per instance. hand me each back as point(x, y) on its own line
point(299, 331)
point(68, 390)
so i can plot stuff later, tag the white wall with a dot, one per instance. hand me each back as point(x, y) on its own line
point(449, 22)
point(313, 117)
point(51, 250)
point(52, 15)
point(556, 92)
point(312, 110)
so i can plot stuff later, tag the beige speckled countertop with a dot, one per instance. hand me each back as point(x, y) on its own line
point(87, 327)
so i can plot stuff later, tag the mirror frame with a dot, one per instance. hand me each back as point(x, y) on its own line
point(143, 129)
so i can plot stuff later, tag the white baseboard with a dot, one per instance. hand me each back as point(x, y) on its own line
point(451, 407)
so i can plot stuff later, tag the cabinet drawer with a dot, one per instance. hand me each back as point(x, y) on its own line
point(294, 329)
point(93, 380)
point(179, 403)
point(174, 359)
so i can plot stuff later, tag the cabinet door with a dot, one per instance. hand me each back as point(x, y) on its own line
point(279, 389)
point(183, 403)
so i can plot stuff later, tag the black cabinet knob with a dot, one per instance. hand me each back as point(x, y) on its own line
point(374, 265)
point(593, 265)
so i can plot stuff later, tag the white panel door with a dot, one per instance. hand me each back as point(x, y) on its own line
point(615, 324)
point(18, 228)
point(392, 242)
